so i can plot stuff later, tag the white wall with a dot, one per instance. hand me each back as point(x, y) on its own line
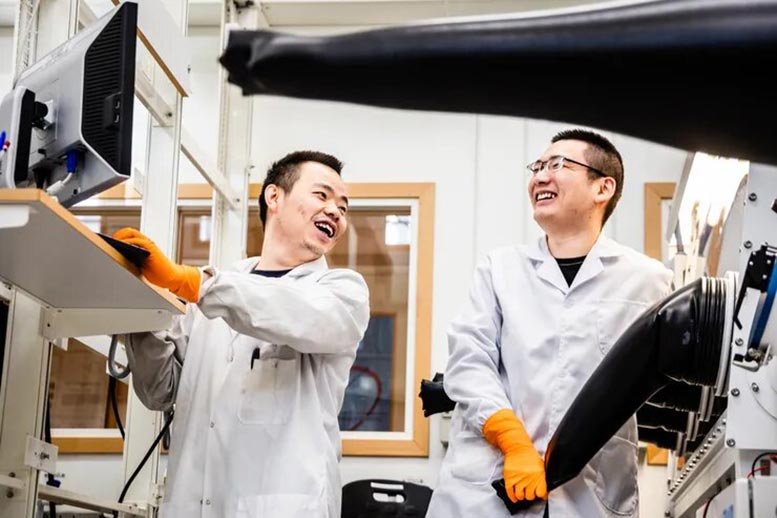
point(201, 109)
point(477, 164)
point(6, 64)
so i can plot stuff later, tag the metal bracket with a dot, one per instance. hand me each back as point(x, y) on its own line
point(747, 308)
point(66, 323)
point(754, 358)
point(243, 4)
point(65, 497)
point(158, 494)
point(40, 455)
point(6, 291)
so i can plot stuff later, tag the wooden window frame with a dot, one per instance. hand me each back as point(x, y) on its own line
point(424, 194)
point(655, 194)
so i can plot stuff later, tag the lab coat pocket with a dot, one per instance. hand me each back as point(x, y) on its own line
point(280, 506)
point(473, 459)
point(616, 476)
point(613, 318)
point(268, 392)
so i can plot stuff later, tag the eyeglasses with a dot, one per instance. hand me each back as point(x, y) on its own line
point(556, 163)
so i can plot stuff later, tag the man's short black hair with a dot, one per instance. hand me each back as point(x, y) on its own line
point(602, 155)
point(285, 172)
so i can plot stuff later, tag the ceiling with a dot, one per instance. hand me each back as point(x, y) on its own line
point(309, 14)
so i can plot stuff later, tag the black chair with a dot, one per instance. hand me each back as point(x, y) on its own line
point(385, 498)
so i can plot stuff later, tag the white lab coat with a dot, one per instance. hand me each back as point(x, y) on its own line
point(529, 342)
point(259, 442)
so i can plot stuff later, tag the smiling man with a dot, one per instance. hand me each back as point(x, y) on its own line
point(257, 368)
point(539, 320)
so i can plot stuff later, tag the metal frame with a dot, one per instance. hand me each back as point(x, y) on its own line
point(230, 196)
point(158, 221)
point(26, 367)
point(31, 327)
point(69, 323)
point(720, 466)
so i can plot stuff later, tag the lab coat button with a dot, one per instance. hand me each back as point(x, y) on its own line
point(212, 424)
point(207, 502)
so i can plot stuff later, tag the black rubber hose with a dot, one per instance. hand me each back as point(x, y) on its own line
point(660, 438)
point(719, 406)
point(678, 396)
point(662, 418)
point(688, 339)
point(658, 55)
point(704, 429)
point(677, 339)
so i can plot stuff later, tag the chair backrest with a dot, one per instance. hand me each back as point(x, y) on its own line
point(385, 498)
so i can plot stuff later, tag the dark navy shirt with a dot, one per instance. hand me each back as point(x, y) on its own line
point(569, 267)
point(271, 273)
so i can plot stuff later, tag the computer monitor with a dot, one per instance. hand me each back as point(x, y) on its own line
point(68, 121)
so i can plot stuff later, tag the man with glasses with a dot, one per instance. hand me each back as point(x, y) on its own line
point(540, 318)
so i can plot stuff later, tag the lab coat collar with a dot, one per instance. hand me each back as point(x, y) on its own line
point(549, 270)
point(299, 271)
point(307, 268)
point(604, 247)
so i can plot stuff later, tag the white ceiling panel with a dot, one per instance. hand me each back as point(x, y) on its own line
point(326, 16)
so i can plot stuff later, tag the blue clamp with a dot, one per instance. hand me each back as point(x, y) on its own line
point(72, 161)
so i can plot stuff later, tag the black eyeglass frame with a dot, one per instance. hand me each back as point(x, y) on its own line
point(544, 163)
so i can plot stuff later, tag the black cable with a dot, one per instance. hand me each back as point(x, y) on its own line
point(145, 459)
point(752, 473)
point(49, 477)
point(166, 439)
point(114, 404)
point(759, 457)
point(112, 369)
point(707, 505)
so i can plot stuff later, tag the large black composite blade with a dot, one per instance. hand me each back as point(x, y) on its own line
point(686, 73)
point(677, 340)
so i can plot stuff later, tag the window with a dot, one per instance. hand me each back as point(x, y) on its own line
point(389, 241)
point(194, 231)
point(78, 385)
point(375, 398)
point(79, 388)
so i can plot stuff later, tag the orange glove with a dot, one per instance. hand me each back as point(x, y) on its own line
point(182, 280)
point(524, 470)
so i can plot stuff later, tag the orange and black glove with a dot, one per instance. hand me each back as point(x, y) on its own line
point(180, 279)
point(524, 469)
